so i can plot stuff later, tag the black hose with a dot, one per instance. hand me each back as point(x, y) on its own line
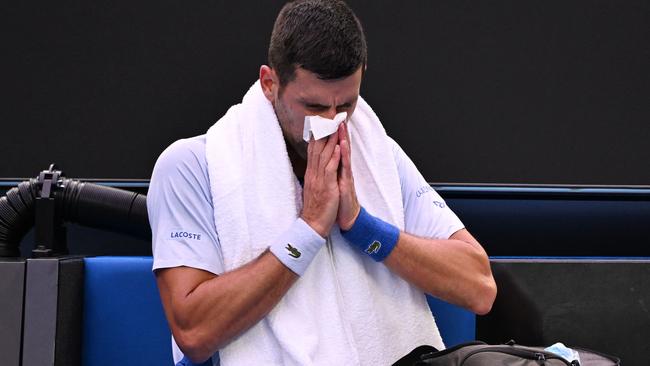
point(16, 217)
point(87, 204)
point(105, 208)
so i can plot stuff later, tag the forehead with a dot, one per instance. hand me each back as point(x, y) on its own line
point(306, 85)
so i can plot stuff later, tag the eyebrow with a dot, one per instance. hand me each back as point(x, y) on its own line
point(323, 106)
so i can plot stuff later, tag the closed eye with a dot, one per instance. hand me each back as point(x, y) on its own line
point(343, 107)
point(317, 107)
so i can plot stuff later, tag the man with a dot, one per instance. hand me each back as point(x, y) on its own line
point(253, 268)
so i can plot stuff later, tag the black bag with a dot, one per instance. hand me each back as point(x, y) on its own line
point(481, 354)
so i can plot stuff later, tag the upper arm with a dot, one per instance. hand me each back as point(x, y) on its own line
point(464, 235)
point(179, 282)
point(180, 210)
point(175, 285)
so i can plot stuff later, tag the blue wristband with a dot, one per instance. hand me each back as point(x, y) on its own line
point(372, 236)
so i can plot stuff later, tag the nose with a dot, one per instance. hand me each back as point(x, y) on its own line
point(329, 114)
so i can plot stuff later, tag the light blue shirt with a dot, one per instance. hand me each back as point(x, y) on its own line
point(181, 213)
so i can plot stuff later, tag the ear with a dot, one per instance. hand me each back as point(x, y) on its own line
point(269, 82)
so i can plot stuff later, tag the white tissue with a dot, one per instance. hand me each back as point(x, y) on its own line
point(321, 127)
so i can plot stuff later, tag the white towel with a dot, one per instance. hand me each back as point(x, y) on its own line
point(346, 309)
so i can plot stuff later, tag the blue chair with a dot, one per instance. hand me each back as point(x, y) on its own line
point(124, 323)
point(123, 320)
point(456, 324)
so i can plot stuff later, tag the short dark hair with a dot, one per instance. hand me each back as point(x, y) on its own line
point(321, 36)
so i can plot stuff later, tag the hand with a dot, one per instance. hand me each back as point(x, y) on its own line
point(349, 206)
point(321, 191)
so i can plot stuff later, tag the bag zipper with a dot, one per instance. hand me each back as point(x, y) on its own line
point(529, 354)
point(616, 360)
point(449, 350)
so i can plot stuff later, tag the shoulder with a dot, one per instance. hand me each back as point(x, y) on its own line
point(182, 167)
point(398, 153)
point(407, 171)
point(185, 157)
point(180, 209)
point(183, 152)
point(425, 212)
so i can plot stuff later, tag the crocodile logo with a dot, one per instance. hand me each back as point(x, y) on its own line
point(293, 252)
point(374, 247)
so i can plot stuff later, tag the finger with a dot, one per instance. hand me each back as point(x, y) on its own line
point(333, 165)
point(317, 146)
point(346, 155)
point(340, 134)
point(344, 132)
point(310, 160)
point(345, 159)
point(326, 154)
point(314, 149)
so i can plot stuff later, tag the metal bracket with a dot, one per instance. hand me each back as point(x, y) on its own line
point(50, 233)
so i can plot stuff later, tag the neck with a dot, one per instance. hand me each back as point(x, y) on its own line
point(297, 162)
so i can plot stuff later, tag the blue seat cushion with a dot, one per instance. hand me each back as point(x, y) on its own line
point(124, 323)
point(456, 324)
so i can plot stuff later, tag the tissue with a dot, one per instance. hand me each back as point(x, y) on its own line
point(321, 127)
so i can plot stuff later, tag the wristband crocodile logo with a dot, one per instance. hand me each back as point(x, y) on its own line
point(293, 252)
point(374, 247)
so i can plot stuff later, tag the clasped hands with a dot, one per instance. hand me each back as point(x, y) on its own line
point(329, 194)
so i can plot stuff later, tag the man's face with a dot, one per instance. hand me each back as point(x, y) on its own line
point(307, 95)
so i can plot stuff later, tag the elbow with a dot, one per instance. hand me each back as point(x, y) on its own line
point(193, 346)
point(485, 297)
point(486, 287)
